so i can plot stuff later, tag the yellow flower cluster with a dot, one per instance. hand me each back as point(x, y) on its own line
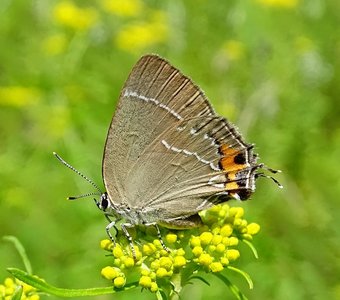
point(152, 262)
point(210, 249)
point(140, 35)
point(213, 247)
point(10, 286)
point(123, 8)
point(18, 96)
point(280, 3)
point(136, 25)
point(66, 13)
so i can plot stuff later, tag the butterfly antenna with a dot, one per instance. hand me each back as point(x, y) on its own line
point(80, 174)
point(270, 177)
point(82, 196)
point(263, 166)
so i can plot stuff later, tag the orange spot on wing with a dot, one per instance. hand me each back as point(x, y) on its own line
point(227, 162)
point(231, 186)
point(227, 151)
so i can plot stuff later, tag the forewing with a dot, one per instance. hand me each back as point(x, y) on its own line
point(155, 97)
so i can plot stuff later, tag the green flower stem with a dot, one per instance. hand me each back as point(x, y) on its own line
point(18, 293)
point(233, 288)
point(60, 292)
point(244, 274)
point(251, 246)
point(21, 250)
point(176, 281)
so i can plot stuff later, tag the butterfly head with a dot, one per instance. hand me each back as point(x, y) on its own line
point(104, 202)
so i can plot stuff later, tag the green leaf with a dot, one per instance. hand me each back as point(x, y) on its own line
point(233, 288)
point(41, 285)
point(200, 278)
point(251, 246)
point(18, 293)
point(160, 295)
point(244, 274)
point(21, 250)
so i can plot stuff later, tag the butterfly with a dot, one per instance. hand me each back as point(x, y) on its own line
point(168, 155)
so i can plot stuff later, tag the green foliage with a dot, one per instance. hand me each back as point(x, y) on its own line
point(270, 66)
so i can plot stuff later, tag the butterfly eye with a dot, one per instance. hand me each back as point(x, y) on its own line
point(104, 203)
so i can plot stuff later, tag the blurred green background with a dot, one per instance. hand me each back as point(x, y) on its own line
point(269, 66)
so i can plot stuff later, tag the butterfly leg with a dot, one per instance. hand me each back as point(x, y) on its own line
point(128, 236)
point(159, 236)
point(108, 228)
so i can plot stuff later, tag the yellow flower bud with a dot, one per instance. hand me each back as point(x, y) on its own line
point(158, 244)
point(233, 241)
point(106, 244)
point(119, 281)
point(211, 248)
point(165, 262)
point(145, 272)
point(180, 251)
point(206, 238)
point(226, 241)
point(2, 289)
point(145, 281)
point(238, 212)
point(9, 282)
point(149, 249)
point(197, 251)
point(153, 276)
point(163, 252)
point(233, 254)
point(205, 259)
point(155, 264)
point(216, 267)
point(222, 213)
point(244, 223)
point(161, 272)
point(25, 287)
point(33, 297)
point(215, 229)
point(171, 238)
point(195, 241)
point(129, 262)
point(238, 222)
point(247, 236)
point(220, 248)
point(179, 261)
point(214, 209)
point(154, 287)
point(253, 228)
point(243, 230)
point(117, 251)
point(226, 230)
point(10, 290)
point(217, 239)
point(224, 261)
point(117, 262)
point(110, 272)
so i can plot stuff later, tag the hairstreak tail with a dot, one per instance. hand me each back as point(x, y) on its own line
point(168, 155)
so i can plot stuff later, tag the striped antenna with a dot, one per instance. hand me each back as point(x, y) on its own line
point(81, 175)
